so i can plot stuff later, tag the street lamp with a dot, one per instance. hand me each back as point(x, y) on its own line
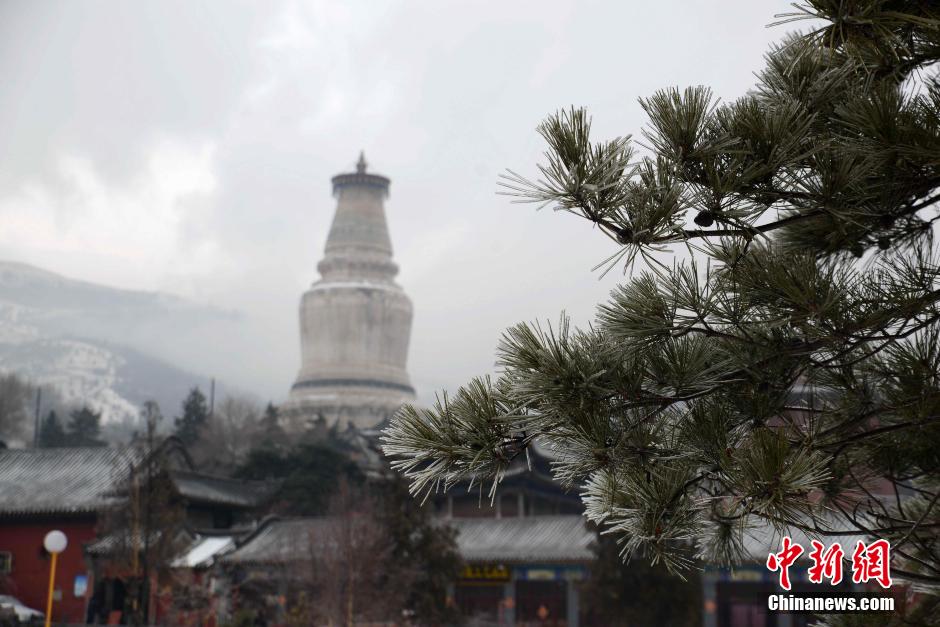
point(55, 542)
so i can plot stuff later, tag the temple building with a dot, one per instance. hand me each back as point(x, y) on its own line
point(355, 322)
point(76, 491)
point(527, 554)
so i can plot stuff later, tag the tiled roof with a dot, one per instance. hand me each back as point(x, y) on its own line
point(60, 480)
point(533, 539)
point(282, 541)
point(204, 551)
point(526, 539)
point(202, 488)
point(119, 541)
point(82, 480)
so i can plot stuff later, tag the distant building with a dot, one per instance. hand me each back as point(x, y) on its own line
point(737, 597)
point(46, 489)
point(526, 555)
point(68, 489)
point(355, 322)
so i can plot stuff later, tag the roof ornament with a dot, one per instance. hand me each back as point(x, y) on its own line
point(361, 164)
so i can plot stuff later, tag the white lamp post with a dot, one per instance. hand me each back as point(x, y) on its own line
point(54, 542)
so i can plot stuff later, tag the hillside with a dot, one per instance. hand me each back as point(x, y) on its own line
point(97, 345)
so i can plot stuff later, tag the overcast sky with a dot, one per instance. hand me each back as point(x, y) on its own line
point(187, 147)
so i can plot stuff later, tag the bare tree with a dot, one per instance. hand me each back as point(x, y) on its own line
point(345, 578)
point(352, 571)
point(19, 400)
point(229, 434)
point(142, 526)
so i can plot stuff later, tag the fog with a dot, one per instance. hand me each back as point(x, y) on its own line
point(188, 148)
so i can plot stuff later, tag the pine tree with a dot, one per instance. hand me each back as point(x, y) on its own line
point(189, 426)
point(84, 428)
point(272, 435)
point(310, 472)
point(51, 434)
point(785, 370)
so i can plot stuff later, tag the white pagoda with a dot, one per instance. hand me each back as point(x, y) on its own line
point(355, 322)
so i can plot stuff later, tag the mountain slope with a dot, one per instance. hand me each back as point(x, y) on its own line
point(99, 345)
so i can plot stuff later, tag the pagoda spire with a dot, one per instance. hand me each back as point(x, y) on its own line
point(358, 245)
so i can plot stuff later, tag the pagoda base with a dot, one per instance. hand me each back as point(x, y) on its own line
point(364, 408)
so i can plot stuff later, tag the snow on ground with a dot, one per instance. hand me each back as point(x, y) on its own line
point(13, 325)
point(82, 373)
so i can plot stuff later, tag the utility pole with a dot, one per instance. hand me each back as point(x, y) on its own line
point(38, 427)
point(134, 495)
point(145, 590)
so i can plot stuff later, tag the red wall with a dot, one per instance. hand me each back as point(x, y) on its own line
point(30, 575)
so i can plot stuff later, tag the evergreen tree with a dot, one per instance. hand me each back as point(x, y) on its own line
point(320, 479)
point(51, 433)
point(84, 428)
point(190, 425)
point(789, 362)
point(310, 475)
point(272, 435)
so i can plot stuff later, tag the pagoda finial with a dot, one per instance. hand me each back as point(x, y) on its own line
point(361, 164)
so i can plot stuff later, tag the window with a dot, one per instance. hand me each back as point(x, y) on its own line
point(6, 562)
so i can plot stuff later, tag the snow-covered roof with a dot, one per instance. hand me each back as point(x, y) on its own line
point(83, 480)
point(123, 539)
point(279, 541)
point(204, 551)
point(60, 480)
point(527, 539)
point(533, 539)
